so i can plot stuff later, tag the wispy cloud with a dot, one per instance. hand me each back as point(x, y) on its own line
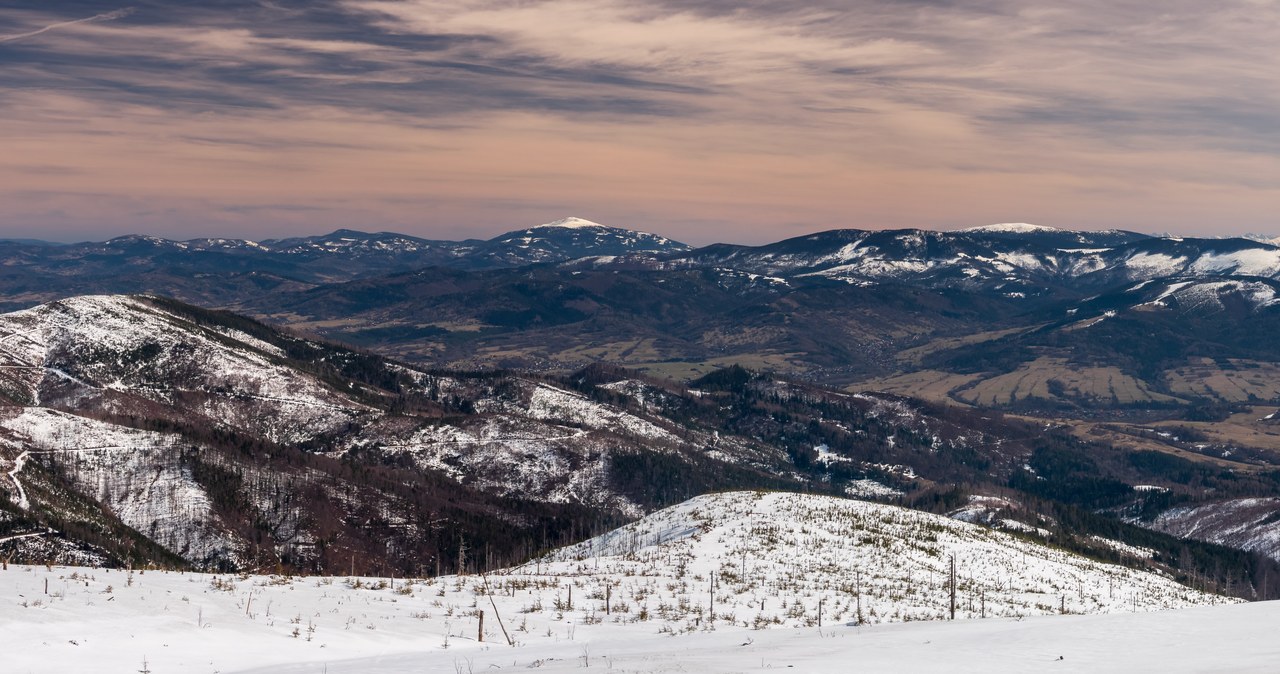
point(105, 16)
point(434, 114)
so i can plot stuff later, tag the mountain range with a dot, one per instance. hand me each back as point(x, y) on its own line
point(531, 390)
point(1012, 260)
point(843, 306)
point(214, 270)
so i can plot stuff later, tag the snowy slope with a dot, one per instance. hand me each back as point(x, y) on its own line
point(644, 607)
point(1187, 297)
point(138, 476)
point(511, 456)
point(1247, 524)
point(536, 439)
point(107, 352)
point(1015, 259)
point(104, 351)
point(1210, 296)
point(771, 544)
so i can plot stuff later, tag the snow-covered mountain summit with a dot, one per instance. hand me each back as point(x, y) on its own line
point(572, 222)
point(572, 238)
point(1011, 228)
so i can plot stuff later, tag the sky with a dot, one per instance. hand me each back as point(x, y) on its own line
point(704, 120)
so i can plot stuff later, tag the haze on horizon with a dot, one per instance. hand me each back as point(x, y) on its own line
point(703, 121)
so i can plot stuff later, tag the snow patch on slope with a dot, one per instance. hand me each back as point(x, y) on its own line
point(552, 404)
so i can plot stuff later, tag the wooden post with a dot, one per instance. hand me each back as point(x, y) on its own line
point(858, 575)
point(713, 598)
point(570, 595)
point(495, 612)
point(608, 594)
point(953, 587)
point(480, 636)
point(820, 600)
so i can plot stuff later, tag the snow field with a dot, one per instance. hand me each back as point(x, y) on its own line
point(776, 556)
point(834, 569)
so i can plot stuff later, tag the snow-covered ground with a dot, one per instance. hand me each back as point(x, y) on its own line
point(114, 621)
point(793, 574)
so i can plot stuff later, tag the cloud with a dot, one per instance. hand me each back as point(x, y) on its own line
point(105, 16)
point(435, 114)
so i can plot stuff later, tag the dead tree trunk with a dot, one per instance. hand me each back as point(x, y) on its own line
point(953, 587)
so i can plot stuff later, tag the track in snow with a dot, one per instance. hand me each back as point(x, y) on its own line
point(18, 463)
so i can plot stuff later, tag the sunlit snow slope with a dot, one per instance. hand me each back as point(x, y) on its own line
point(638, 597)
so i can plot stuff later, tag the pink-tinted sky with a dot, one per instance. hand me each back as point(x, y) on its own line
point(704, 120)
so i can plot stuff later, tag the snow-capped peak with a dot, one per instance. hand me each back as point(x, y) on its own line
point(572, 222)
point(1012, 227)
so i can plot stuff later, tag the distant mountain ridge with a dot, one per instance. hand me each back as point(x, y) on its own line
point(563, 239)
point(1014, 260)
point(840, 306)
point(1023, 261)
point(225, 271)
